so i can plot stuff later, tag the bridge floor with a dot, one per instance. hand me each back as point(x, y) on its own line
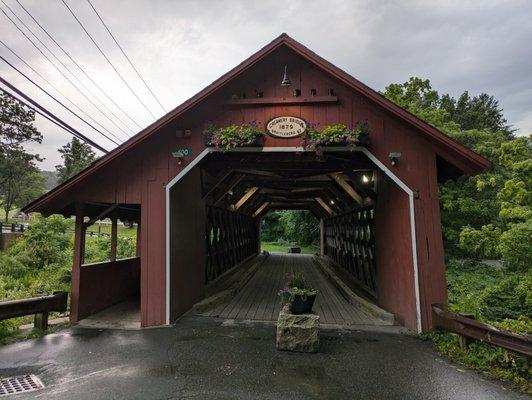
point(258, 299)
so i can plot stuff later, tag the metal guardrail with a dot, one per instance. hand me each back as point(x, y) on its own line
point(39, 306)
point(470, 328)
point(12, 227)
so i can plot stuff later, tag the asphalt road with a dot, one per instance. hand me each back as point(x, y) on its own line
point(201, 358)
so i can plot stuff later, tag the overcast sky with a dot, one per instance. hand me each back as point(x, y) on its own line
point(180, 47)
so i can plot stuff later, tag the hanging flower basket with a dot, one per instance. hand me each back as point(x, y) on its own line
point(232, 136)
point(338, 135)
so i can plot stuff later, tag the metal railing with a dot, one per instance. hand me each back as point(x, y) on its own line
point(12, 227)
point(38, 306)
point(470, 328)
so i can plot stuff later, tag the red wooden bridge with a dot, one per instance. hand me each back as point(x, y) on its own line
point(377, 204)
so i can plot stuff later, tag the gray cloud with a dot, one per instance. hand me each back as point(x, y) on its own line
point(182, 46)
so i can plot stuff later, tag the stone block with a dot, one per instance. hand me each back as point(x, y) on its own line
point(298, 332)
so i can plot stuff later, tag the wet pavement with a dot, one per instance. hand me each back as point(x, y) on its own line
point(203, 358)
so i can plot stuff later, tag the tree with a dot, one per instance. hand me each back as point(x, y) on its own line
point(76, 157)
point(475, 210)
point(478, 112)
point(16, 125)
point(20, 180)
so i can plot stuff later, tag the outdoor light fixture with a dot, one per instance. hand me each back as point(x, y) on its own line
point(286, 80)
point(365, 178)
point(394, 157)
point(332, 201)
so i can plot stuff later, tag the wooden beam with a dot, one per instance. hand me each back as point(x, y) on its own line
point(348, 188)
point(223, 191)
point(250, 192)
point(114, 234)
point(259, 210)
point(219, 178)
point(367, 191)
point(324, 205)
point(282, 100)
point(103, 214)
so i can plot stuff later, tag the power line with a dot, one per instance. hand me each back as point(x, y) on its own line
point(77, 64)
point(125, 55)
point(57, 101)
point(64, 66)
point(107, 58)
point(49, 115)
point(53, 87)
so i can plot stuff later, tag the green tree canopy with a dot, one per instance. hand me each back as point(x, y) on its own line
point(490, 214)
point(20, 181)
point(76, 157)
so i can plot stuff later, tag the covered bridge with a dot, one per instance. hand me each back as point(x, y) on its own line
point(199, 209)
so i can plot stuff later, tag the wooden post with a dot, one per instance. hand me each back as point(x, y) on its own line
point(40, 321)
point(114, 232)
point(464, 341)
point(138, 239)
point(79, 252)
point(322, 237)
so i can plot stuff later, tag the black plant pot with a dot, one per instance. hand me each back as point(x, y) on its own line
point(302, 304)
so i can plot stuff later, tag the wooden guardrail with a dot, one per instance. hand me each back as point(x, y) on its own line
point(39, 306)
point(470, 328)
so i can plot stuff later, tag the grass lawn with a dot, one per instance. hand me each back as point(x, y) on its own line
point(106, 228)
point(278, 248)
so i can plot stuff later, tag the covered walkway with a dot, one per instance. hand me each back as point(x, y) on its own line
point(258, 299)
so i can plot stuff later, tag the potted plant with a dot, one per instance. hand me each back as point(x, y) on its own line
point(298, 295)
point(232, 136)
point(336, 135)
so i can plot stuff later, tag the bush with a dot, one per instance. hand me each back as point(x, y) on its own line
point(515, 246)
point(46, 242)
point(481, 243)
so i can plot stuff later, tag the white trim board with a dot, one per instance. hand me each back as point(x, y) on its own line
point(363, 150)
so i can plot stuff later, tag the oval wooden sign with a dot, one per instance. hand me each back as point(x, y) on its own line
point(286, 127)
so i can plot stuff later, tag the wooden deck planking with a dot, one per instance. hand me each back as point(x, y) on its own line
point(258, 299)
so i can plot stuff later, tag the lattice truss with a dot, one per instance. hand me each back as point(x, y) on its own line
point(350, 242)
point(231, 238)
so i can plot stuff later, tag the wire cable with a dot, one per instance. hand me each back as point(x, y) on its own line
point(124, 53)
point(52, 86)
point(56, 100)
point(77, 64)
point(64, 66)
point(50, 116)
point(107, 58)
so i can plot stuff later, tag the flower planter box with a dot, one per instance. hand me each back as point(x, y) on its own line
point(302, 304)
point(259, 142)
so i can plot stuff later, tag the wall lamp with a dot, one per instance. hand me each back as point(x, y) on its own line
point(394, 157)
point(286, 80)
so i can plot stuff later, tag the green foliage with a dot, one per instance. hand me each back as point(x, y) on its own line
point(20, 180)
point(297, 227)
point(16, 125)
point(76, 157)
point(296, 285)
point(493, 361)
point(515, 246)
point(497, 296)
point(233, 135)
point(481, 242)
point(337, 134)
point(300, 227)
point(476, 211)
point(46, 242)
